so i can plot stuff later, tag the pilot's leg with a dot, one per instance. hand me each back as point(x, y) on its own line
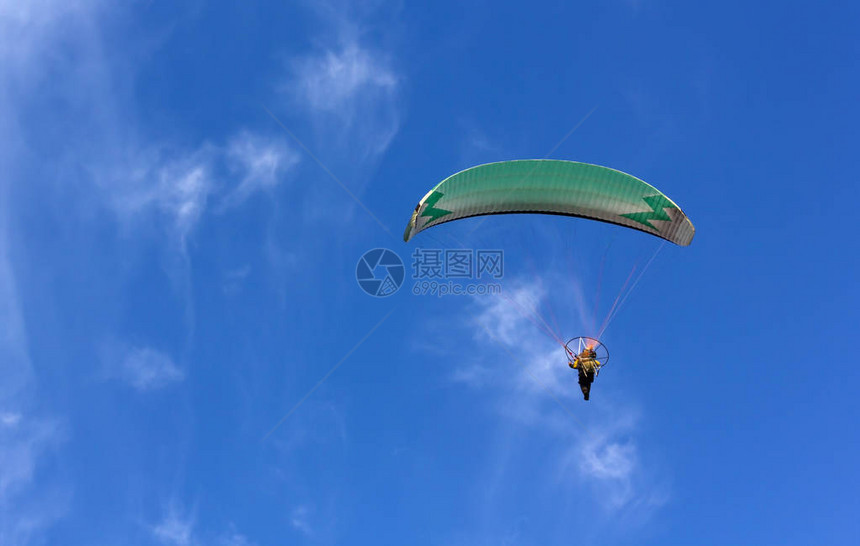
point(584, 383)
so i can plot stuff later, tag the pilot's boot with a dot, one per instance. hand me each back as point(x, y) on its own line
point(586, 388)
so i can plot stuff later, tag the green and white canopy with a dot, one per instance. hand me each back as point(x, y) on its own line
point(544, 186)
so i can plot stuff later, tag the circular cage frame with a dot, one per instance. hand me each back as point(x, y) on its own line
point(580, 343)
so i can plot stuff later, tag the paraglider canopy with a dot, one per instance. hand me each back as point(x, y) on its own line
point(547, 186)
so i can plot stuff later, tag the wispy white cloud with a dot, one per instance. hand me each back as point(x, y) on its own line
point(147, 369)
point(513, 322)
point(54, 61)
point(156, 196)
point(9, 419)
point(480, 145)
point(504, 317)
point(234, 538)
point(21, 442)
point(608, 460)
point(27, 506)
point(349, 89)
point(534, 387)
point(300, 520)
point(26, 509)
point(179, 527)
point(30, 500)
point(148, 182)
point(607, 457)
point(258, 163)
point(474, 374)
point(146, 186)
point(175, 528)
point(233, 280)
point(29, 28)
point(337, 81)
point(144, 368)
point(14, 355)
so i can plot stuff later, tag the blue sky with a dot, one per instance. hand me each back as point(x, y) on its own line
point(177, 273)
